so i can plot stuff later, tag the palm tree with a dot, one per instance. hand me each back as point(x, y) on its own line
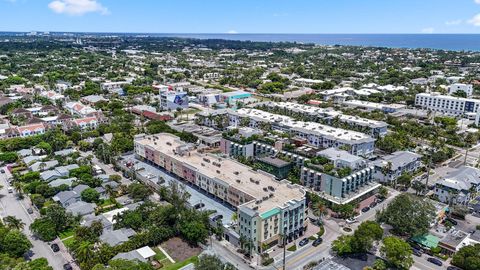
point(319, 209)
point(235, 217)
point(42, 166)
point(84, 251)
point(243, 241)
point(18, 187)
point(110, 191)
point(14, 223)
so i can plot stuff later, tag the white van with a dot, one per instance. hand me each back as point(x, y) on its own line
point(10, 189)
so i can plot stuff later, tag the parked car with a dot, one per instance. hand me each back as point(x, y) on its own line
point(451, 267)
point(351, 220)
point(317, 242)
point(10, 189)
point(435, 261)
point(30, 210)
point(67, 266)
point(451, 220)
point(199, 205)
point(217, 217)
point(2, 170)
point(417, 252)
point(365, 209)
point(303, 242)
point(379, 199)
point(373, 204)
point(55, 247)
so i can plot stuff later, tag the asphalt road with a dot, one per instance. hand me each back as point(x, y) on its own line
point(11, 206)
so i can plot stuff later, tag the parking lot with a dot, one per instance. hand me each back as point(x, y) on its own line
point(196, 196)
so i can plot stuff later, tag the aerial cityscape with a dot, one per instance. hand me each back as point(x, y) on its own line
point(140, 143)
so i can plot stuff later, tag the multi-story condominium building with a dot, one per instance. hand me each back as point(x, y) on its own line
point(266, 208)
point(372, 106)
point(390, 167)
point(448, 105)
point(171, 100)
point(467, 88)
point(256, 149)
point(316, 134)
point(371, 127)
point(26, 131)
point(459, 186)
point(349, 178)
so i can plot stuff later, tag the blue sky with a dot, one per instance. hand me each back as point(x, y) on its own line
point(242, 16)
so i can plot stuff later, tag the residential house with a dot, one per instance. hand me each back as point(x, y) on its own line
point(116, 237)
point(81, 208)
point(143, 254)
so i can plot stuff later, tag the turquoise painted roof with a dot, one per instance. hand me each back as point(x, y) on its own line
point(270, 213)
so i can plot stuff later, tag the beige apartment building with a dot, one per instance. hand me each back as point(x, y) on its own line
point(267, 208)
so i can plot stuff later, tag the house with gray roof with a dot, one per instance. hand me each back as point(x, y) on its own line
point(42, 165)
point(142, 254)
point(57, 172)
point(116, 237)
point(65, 152)
point(66, 198)
point(32, 158)
point(25, 152)
point(62, 181)
point(89, 219)
point(78, 189)
point(390, 167)
point(81, 208)
point(459, 186)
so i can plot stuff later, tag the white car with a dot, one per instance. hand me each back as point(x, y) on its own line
point(351, 220)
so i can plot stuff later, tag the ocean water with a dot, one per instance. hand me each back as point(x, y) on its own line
point(454, 42)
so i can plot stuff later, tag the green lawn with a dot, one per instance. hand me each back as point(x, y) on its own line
point(66, 234)
point(68, 242)
point(160, 255)
point(179, 265)
point(292, 248)
point(107, 202)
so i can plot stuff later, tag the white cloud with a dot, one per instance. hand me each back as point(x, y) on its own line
point(454, 22)
point(477, 2)
point(428, 30)
point(232, 32)
point(77, 7)
point(475, 20)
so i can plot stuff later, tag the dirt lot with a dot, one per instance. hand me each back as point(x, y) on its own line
point(180, 250)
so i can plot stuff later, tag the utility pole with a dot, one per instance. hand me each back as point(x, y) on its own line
point(428, 170)
point(284, 251)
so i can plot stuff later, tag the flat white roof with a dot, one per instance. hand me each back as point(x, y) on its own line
point(306, 127)
point(146, 252)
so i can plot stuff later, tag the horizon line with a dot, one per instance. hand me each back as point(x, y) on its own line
point(232, 34)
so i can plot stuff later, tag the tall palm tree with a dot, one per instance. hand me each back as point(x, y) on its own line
point(319, 209)
point(110, 191)
point(18, 187)
point(235, 217)
point(84, 251)
point(14, 223)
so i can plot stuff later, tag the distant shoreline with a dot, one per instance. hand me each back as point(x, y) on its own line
point(452, 42)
